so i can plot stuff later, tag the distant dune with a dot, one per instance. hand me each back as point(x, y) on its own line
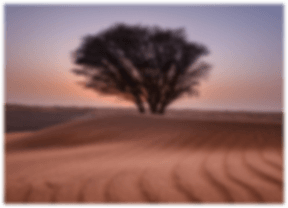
point(31, 118)
point(120, 158)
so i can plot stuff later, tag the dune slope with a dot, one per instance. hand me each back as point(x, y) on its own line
point(123, 159)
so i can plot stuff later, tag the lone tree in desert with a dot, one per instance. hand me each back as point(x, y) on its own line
point(142, 64)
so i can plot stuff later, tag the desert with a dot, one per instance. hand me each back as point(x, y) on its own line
point(119, 156)
point(143, 104)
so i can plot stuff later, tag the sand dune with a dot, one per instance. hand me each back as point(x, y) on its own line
point(123, 159)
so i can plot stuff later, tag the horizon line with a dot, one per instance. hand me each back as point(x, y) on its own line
point(129, 107)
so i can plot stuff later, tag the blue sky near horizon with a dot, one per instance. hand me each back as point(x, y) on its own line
point(245, 44)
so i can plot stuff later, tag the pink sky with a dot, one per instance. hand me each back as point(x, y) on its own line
point(245, 45)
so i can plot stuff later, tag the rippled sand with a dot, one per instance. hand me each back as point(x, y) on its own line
point(123, 159)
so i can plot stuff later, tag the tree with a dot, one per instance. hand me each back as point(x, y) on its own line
point(142, 64)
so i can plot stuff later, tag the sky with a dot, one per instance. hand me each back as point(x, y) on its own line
point(245, 44)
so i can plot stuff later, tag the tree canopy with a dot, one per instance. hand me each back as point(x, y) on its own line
point(142, 64)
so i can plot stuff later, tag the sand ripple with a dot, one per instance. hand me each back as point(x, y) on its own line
point(130, 159)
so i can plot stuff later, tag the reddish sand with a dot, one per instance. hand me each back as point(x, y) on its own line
point(127, 159)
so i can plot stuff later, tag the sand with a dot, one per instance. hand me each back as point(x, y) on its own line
point(134, 159)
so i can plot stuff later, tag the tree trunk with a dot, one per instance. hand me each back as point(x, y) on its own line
point(139, 105)
point(162, 108)
point(153, 108)
point(141, 108)
point(154, 101)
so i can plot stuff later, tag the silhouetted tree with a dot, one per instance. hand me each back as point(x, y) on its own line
point(142, 64)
